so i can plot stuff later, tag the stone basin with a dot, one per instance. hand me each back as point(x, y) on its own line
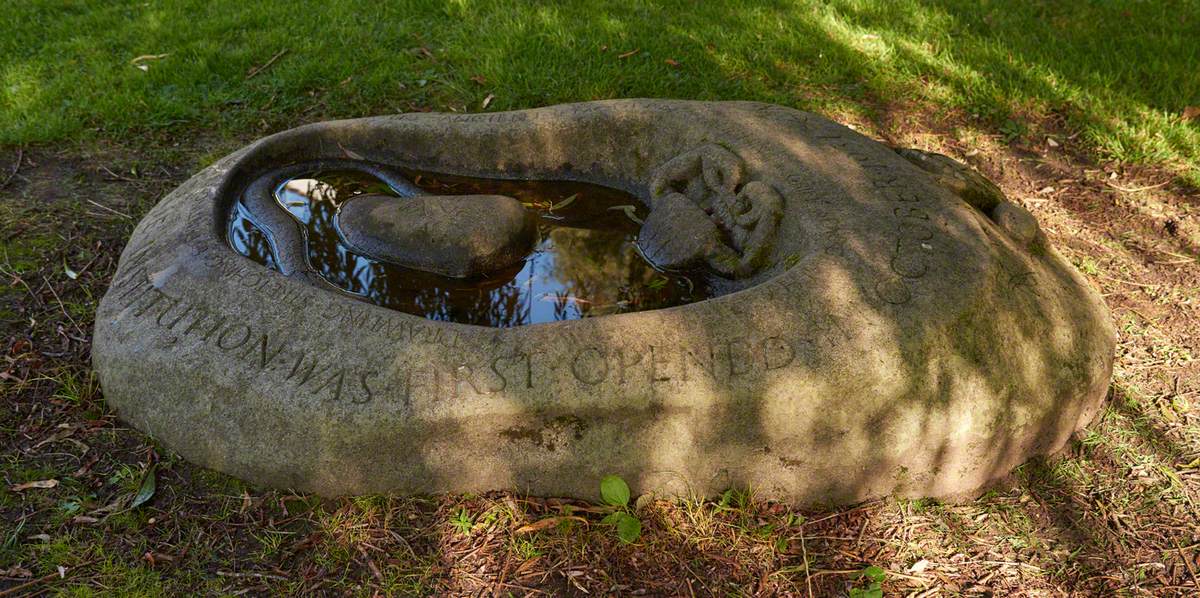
point(883, 323)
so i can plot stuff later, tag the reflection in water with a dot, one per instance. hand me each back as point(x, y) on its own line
point(248, 239)
point(586, 262)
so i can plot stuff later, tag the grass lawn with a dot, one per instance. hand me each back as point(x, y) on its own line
point(1120, 74)
point(1087, 113)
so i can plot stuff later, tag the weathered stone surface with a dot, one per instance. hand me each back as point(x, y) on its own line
point(878, 333)
point(459, 235)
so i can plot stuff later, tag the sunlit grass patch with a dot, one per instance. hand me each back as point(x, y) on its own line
point(1121, 75)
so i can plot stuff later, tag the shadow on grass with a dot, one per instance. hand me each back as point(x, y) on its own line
point(1122, 74)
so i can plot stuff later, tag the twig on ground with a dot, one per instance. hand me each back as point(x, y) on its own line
point(804, 555)
point(855, 571)
point(9, 271)
point(252, 575)
point(64, 308)
point(104, 207)
point(1136, 189)
point(15, 590)
point(258, 69)
point(1186, 561)
point(1147, 319)
point(371, 565)
point(117, 176)
point(1130, 282)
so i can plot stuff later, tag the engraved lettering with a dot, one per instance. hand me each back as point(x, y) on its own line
point(657, 359)
point(777, 352)
point(496, 370)
point(362, 379)
point(623, 364)
point(708, 366)
point(301, 373)
point(463, 373)
point(590, 375)
point(739, 364)
point(221, 339)
point(338, 377)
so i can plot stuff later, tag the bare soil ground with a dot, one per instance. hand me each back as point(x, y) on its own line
point(1116, 514)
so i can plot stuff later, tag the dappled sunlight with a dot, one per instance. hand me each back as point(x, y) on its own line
point(997, 63)
point(1037, 96)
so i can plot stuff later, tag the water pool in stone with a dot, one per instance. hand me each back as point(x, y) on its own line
point(585, 264)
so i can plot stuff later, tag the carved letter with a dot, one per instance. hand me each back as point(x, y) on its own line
point(582, 373)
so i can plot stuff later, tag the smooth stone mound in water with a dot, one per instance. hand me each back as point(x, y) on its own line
point(459, 236)
point(881, 323)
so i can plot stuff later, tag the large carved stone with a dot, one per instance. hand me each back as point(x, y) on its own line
point(884, 324)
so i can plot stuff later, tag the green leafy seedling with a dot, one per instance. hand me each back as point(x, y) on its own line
point(463, 522)
point(873, 576)
point(615, 493)
point(629, 527)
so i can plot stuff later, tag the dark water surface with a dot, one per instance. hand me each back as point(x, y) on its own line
point(585, 264)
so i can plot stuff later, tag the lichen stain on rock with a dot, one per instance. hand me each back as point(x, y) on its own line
point(550, 435)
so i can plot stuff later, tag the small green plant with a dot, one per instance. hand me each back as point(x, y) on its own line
point(615, 493)
point(1013, 130)
point(873, 576)
point(1089, 266)
point(463, 522)
point(75, 388)
point(734, 499)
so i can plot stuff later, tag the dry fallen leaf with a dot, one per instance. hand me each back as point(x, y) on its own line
point(564, 203)
point(547, 522)
point(480, 79)
point(630, 211)
point(349, 154)
point(918, 566)
point(672, 62)
point(1191, 113)
point(488, 100)
point(145, 57)
point(15, 571)
point(37, 484)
